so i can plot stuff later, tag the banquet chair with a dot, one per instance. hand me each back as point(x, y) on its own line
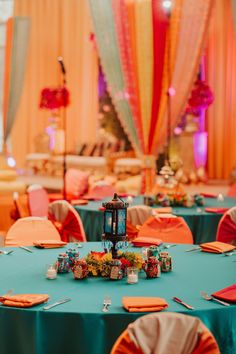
point(38, 200)
point(168, 229)
point(232, 191)
point(138, 214)
point(166, 333)
point(100, 191)
point(226, 231)
point(67, 221)
point(21, 209)
point(25, 231)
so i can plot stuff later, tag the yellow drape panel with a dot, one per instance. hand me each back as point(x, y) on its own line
point(144, 46)
point(221, 76)
point(58, 28)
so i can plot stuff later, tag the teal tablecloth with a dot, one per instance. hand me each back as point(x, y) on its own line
point(202, 224)
point(79, 326)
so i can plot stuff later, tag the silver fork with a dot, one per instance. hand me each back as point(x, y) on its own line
point(62, 301)
point(106, 303)
point(209, 297)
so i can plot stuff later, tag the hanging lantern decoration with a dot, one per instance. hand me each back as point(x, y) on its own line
point(114, 234)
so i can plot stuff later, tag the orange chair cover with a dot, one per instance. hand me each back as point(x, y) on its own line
point(125, 345)
point(166, 333)
point(206, 344)
point(26, 231)
point(131, 231)
point(226, 231)
point(67, 221)
point(167, 229)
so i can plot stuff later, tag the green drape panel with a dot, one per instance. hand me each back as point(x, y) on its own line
point(14, 70)
point(103, 21)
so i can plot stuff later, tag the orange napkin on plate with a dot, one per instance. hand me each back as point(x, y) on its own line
point(24, 300)
point(227, 294)
point(216, 210)
point(144, 304)
point(216, 247)
point(164, 210)
point(143, 241)
point(49, 243)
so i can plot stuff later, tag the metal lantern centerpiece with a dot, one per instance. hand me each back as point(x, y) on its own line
point(114, 234)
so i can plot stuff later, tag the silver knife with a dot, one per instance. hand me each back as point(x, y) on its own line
point(48, 307)
point(26, 249)
point(176, 299)
point(193, 249)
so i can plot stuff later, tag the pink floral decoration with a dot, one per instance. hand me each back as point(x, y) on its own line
point(201, 98)
point(54, 98)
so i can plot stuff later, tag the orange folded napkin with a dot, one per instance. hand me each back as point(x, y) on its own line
point(216, 210)
point(79, 202)
point(164, 210)
point(228, 294)
point(49, 243)
point(216, 247)
point(24, 300)
point(143, 241)
point(144, 304)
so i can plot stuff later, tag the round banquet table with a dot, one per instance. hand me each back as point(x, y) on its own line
point(80, 326)
point(202, 224)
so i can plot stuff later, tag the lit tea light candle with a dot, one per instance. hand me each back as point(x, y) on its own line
point(132, 275)
point(51, 273)
point(220, 197)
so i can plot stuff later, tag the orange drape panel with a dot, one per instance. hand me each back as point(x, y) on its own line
point(221, 76)
point(58, 28)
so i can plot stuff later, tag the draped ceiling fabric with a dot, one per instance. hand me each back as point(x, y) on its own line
point(143, 56)
point(221, 76)
point(137, 49)
point(15, 58)
point(58, 28)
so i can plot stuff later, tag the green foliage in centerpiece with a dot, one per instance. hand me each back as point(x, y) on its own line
point(99, 263)
point(179, 199)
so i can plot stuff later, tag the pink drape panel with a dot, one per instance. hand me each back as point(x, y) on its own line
point(160, 26)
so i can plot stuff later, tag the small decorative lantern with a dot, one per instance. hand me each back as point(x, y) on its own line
point(114, 229)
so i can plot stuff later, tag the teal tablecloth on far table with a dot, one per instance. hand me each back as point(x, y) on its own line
point(202, 224)
point(80, 327)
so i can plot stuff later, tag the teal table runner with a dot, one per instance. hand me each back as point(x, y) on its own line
point(202, 224)
point(79, 326)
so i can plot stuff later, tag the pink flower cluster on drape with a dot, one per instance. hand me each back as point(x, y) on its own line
point(54, 98)
point(201, 98)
